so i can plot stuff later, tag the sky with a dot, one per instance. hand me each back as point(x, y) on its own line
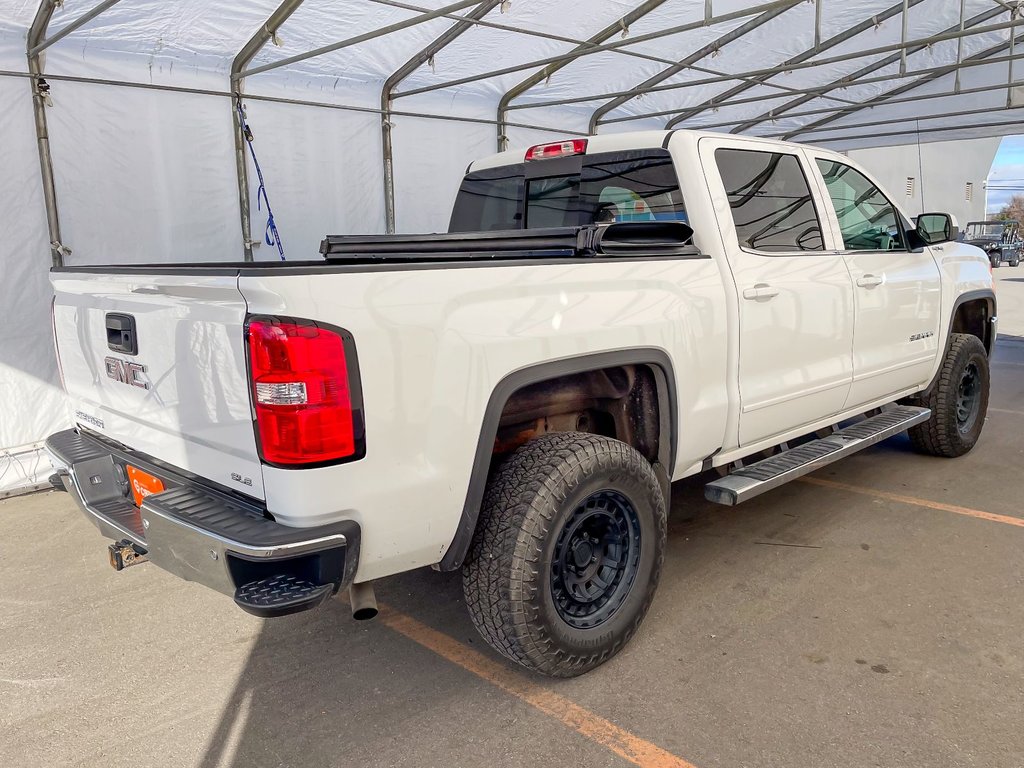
point(1007, 170)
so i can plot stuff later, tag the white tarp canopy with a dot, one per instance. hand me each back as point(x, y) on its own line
point(139, 114)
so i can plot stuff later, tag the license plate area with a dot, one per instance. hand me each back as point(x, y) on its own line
point(142, 484)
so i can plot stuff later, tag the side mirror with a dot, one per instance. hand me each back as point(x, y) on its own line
point(934, 228)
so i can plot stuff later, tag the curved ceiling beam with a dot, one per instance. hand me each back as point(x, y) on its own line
point(851, 79)
point(778, 69)
point(379, 32)
point(817, 48)
point(546, 72)
point(866, 81)
point(882, 98)
point(81, 21)
point(613, 46)
point(693, 58)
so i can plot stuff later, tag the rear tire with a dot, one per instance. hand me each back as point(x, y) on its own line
point(958, 401)
point(567, 553)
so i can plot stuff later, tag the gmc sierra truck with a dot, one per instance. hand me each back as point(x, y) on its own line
point(514, 398)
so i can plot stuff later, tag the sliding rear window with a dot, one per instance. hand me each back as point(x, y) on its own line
point(638, 185)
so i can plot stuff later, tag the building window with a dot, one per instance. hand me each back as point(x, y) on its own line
point(969, 191)
point(910, 186)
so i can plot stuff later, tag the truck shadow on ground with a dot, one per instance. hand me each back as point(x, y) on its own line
point(322, 689)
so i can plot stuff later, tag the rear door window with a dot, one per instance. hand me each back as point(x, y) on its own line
point(639, 185)
point(772, 207)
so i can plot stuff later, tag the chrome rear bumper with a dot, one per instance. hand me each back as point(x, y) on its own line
point(194, 531)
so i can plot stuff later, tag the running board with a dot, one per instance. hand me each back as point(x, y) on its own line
point(755, 479)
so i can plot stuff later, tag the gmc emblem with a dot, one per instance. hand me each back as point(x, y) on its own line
point(126, 372)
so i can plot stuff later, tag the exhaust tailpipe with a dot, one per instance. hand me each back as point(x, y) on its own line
point(363, 601)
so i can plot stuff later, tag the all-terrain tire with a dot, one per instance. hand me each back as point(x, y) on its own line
point(536, 502)
point(957, 416)
point(1015, 261)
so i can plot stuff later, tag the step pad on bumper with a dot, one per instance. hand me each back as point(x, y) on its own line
point(280, 596)
point(751, 481)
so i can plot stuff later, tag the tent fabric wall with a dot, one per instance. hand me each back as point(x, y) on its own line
point(31, 402)
point(145, 163)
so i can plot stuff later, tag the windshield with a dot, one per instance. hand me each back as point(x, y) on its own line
point(978, 230)
point(639, 185)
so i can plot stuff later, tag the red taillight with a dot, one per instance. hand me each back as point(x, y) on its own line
point(557, 149)
point(306, 411)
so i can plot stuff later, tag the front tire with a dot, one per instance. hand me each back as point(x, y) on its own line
point(958, 401)
point(567, 553)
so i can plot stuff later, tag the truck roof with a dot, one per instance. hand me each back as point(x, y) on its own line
point(611, 142)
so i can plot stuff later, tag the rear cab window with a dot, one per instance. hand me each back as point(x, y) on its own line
point(609, 187)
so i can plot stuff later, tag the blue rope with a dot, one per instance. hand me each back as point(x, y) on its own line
point(270, 235)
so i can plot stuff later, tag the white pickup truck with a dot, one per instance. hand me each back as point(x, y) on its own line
point(513, 398)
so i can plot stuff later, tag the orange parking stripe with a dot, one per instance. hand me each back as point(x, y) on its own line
point(583, 721)
point(1019, 522)
point(1005, 410)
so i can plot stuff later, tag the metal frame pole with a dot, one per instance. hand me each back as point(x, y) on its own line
point(822, 90)
point(903, 36)
point(546, 72)
point(239, 63)
point(36, 34)
point(722, 99)
point(851, 79)
point(778, 69)
point(937, 129)
point(1009, 64)
point(904, 100)
point(284, 100)
point(933, 116)
point(85, 18)
point(693, 58)
point(606, 48)
point(396, 77)
point(581, 45)
point(379, 32)
point(882, 98)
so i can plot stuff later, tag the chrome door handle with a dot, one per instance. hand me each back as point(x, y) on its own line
point(760, 291)
point(870, 281)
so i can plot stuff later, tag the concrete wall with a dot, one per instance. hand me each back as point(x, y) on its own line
point(940, 174)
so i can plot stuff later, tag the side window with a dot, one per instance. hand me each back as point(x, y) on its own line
point(867, 220)
point(770, 199)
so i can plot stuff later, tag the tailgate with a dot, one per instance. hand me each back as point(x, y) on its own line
point(157, 363)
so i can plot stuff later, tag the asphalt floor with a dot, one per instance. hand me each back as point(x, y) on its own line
point(869, 615)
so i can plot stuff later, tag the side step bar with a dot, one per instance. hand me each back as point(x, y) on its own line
point(753, 480)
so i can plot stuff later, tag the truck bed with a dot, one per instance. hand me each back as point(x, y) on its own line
point(596, 241)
